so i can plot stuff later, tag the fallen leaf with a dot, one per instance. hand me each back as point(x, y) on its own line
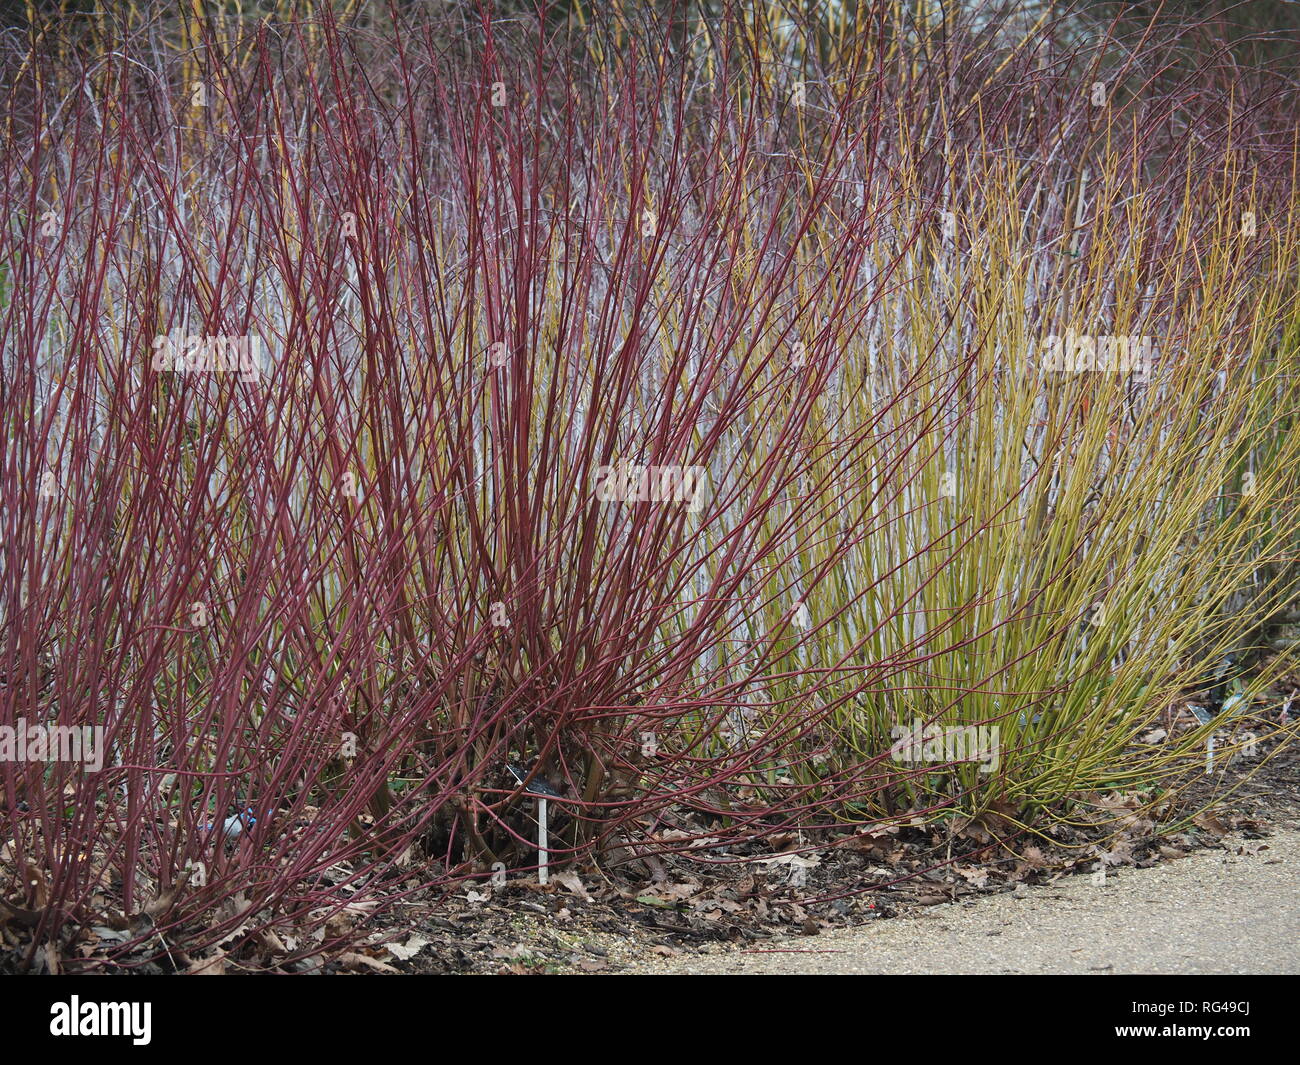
point(213, 966)
point(569, 879)
point(408, 950)
point(1120, 854)
point(354, 960)
point(654, 900)
point(798, 861)
point(1209, 822)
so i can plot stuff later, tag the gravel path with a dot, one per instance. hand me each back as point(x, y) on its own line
point(1215, 911)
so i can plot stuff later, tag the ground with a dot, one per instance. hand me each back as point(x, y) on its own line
point(1216, 897)
point(1228, 910)
point(1132, 883)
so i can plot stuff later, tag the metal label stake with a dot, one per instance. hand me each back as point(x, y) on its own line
point(542, 855)
point(543, 791)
